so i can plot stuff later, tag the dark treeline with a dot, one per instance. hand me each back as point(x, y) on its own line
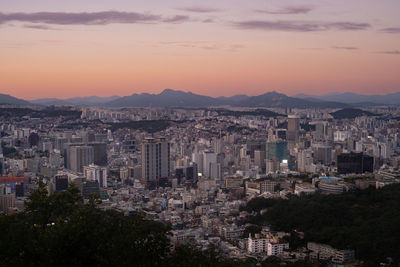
point(59, 230)
point(367, 221)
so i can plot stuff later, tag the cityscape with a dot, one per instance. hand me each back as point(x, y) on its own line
point(235, 175)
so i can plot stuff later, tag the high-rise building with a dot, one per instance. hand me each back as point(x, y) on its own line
point(293, 129)
point(61, 182)
point(277, 150)
point(209, 158)
point(259, 159)
point(354, 163)
point(1, 161)
point(79, 156)
point(99, 152)
point(96, 173)
point(155, 159)
point(322, 153)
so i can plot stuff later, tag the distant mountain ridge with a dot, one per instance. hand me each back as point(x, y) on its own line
point(75, 101)
point(353, 98)
point(174, 98)
point(10, 100)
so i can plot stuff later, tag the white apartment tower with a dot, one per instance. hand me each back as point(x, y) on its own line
point(96, 173)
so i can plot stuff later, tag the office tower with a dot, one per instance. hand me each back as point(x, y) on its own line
point(321, 130)
point(215, 171)
point(293, 129)
point(96, 173)
point(89, 188)
point(128, 145)
point(99, 152)
point(259, 159)
point(61, 182)
point(252, 146)
point(304, 160)
point(33, 139)
point(155, 159)
point(208, 159)
point(1, 161)
point(322, 153)
point(7, 200)
point(80, 156)
point(271, 165)
point(354, 163)
point(277, 150)
point(61, 143)
point(197, 159)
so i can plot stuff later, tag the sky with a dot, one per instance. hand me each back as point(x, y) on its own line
point(52, 48)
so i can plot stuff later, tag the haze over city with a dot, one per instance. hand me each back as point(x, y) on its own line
point(79, 48)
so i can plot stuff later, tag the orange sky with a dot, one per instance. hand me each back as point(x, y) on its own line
point(211, 50)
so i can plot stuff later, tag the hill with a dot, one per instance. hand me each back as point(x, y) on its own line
point(353, 98)
point(351, 113)
point(277, 100)
point(366, 220)
point(75, 101)
point(10, 100)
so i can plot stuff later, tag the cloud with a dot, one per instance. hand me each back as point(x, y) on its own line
point(209, 20)
point(176, 19)
point(199, 9)
point(390, 52)
point(290, 10)
point(300, 26)
point(40, 27)
point(206, 45)
point(88, 18)
point(391, 30)
point(345, 47)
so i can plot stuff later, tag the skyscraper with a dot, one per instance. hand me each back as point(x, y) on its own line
point(293, 129)
point(277, 150)
point(80, 156)
point(155, 159)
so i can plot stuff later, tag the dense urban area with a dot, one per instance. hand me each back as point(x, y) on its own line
point(209, 186)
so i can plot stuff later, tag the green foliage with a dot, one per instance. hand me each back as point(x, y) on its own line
point(252, 229)
point(366, 221)
point(59, 230)
point(189, 256)
point(351, 113)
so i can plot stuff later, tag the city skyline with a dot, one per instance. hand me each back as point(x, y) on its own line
point(83, 48)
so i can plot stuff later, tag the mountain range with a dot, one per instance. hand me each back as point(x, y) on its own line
point(10, 100)
point(353, 98)
point(75, 101)
point(175, 98)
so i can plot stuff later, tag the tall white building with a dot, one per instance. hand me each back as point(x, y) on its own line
point(96, 173)
point(155, 159)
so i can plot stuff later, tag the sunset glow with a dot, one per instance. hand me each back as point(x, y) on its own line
point(80, 48)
